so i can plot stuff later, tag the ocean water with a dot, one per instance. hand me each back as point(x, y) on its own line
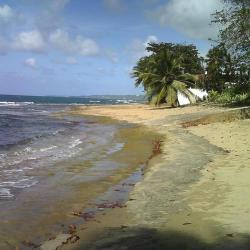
point(15, 100)
point(52, 163)
point(32, 138)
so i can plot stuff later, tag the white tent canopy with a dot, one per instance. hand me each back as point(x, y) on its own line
point(199, 93)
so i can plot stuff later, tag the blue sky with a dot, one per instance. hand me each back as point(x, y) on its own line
point(83, 47)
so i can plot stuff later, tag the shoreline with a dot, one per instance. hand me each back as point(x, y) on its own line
point(149, 214)
point(80, 182)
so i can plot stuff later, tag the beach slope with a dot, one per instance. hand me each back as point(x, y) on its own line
point(194, 195)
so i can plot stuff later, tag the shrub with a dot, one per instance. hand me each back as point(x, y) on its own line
point(228, 97)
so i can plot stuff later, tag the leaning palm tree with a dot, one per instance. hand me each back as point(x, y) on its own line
point(162, 77)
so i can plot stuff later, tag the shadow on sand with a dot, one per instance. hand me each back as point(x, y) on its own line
point(152, 239)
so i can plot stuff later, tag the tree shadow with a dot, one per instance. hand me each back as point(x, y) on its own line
point(152, 239)
point(161, 107)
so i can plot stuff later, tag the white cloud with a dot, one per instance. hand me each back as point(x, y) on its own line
point(60, 39)
point(29, 41)
point(6, 13)
point(192, 18)
point(86, 47)
point(114, 4)
point(30, 62)
point(78, 45)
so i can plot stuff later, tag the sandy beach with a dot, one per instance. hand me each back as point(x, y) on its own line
point(193, 196)
point(125, 125)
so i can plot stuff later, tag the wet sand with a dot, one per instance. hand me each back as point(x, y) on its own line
point(193, 196)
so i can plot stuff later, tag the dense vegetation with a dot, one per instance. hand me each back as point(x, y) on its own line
point(168, 69)
point(224, 72)
point(228, 63)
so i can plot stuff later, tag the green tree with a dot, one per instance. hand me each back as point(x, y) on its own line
point(235, 18)
point(220, 68)
point(162, 75)
point(191, 62)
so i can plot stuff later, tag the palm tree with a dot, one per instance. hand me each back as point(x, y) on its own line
point(162, 77)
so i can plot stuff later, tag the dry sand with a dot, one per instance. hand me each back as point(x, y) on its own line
point(141, 113)
point(194, 196)
point(226, 181)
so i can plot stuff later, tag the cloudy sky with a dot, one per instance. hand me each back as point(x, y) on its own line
point(83, 47)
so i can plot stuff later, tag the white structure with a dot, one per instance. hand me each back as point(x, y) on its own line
point(199, 93)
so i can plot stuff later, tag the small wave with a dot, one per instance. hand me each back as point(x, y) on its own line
point(125, 101)
point(12, 170)
point(22, 151)
point(2, 156)
point(47, 149)
point(14, 162)
point(115, 148)
point(7, 183)
point(75, 143)
point(94, 101)
point(15, 103)
point(27, 168)
point(9, 104)
point(5, 193)
point(25, 183)
point(27, 102)
point(27, 149)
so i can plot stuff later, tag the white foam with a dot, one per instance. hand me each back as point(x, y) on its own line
point(32, 158)
point(27, 168)
point(47, 149)
point(27, 102)
point(9, 104)
point(2, 157)
point(75, 143)
point(13, 170)
point(25, 183)
point(15, 103)
point(5, 193)
point(28, 149)
point(7, 183)
point(15, 162)
point(125, 101)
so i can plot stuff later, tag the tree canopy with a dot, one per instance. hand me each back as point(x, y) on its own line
point(191, 62)
point(234, 45)
point(164, 72)
point(220, 68)
point(235, 34)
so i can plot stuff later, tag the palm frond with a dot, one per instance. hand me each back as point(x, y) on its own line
point(191, 79)
point(178, 85)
